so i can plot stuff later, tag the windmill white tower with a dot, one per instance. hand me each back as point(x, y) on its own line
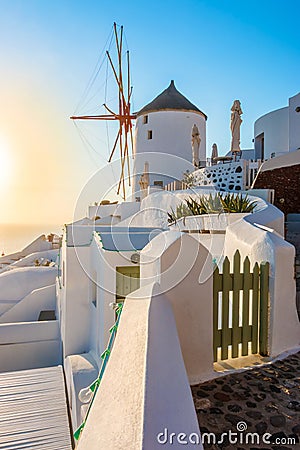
point(164, 126)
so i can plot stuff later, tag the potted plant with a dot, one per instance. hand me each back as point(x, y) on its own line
point(211, 213)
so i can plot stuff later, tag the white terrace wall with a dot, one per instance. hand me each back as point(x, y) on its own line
point(73, 300)
point(86, 288)
point(103, 291)
point(29, 308)
point(280, 128)
point(127, 209)
point(29, 260)
point(75, 309)
point(267, 215)
point(101, 210)
point(124, 209)
point(18, 283)
point(294, 123)
point(275, 128)
point(72, 290)
point(80, 371)
point(94, 307)
point(38, 245)
point(151, 393)
point(183, 268)
point(29, 345)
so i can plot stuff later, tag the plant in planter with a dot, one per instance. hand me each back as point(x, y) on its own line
point(213, 204)
point(205, 205)
point(182, 210)
point(233, 203)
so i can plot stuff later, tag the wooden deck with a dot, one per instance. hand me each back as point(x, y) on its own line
point(33, 410)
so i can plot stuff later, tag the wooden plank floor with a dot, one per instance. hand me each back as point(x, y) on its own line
point(33, 410)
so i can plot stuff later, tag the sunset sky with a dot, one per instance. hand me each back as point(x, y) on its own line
point(215, 51)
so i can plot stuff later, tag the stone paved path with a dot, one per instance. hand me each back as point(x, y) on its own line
point(267, 399)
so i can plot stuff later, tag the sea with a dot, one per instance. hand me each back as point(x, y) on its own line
point(14, 237)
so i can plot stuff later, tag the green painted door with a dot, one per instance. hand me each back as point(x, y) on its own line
point(127, 281)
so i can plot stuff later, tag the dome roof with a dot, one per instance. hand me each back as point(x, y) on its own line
point(170, 99)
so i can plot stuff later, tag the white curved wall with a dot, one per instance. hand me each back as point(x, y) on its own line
point(29, 308)
point(152, 393)
point(275, 126)
point(171, 134)
point(294, 123)
point(40, 244)
point(29, 345)
point(154, 209)
point(183, 268)
point(81, 371)
point(27, 261)
point(18, 283)
point(281, 129)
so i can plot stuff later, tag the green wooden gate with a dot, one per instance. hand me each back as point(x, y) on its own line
point(240, 308)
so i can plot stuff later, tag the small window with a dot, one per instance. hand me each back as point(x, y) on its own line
point(145, 119)
point(149, 134)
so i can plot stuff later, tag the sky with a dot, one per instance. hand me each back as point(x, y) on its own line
point(216, 51)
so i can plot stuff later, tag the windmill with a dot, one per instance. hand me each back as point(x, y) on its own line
point(124, 138)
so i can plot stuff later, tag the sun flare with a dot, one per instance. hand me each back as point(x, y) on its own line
point(5, 163)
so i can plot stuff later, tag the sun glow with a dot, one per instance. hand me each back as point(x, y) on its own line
point(5, 163)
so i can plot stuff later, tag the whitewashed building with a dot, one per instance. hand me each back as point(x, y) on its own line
point(278, 131)
point(164, 126)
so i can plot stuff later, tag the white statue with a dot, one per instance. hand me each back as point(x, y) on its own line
point(214, 153)
point(235, 126)
point(144, 181)
point(196, 140)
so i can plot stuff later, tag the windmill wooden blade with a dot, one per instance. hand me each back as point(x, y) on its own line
point(124, 116)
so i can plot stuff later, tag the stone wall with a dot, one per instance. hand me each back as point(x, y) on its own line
point(286, 182)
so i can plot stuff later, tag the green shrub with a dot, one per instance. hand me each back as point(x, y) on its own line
point(182, 210)
point(188, 179)
point(233, 203)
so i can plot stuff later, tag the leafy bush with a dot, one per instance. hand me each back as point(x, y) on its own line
point(213, 204)
point(188, 179)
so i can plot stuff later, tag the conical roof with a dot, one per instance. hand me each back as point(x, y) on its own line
point(170, 99)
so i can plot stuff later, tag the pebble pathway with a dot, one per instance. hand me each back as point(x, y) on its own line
point(266, 399)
